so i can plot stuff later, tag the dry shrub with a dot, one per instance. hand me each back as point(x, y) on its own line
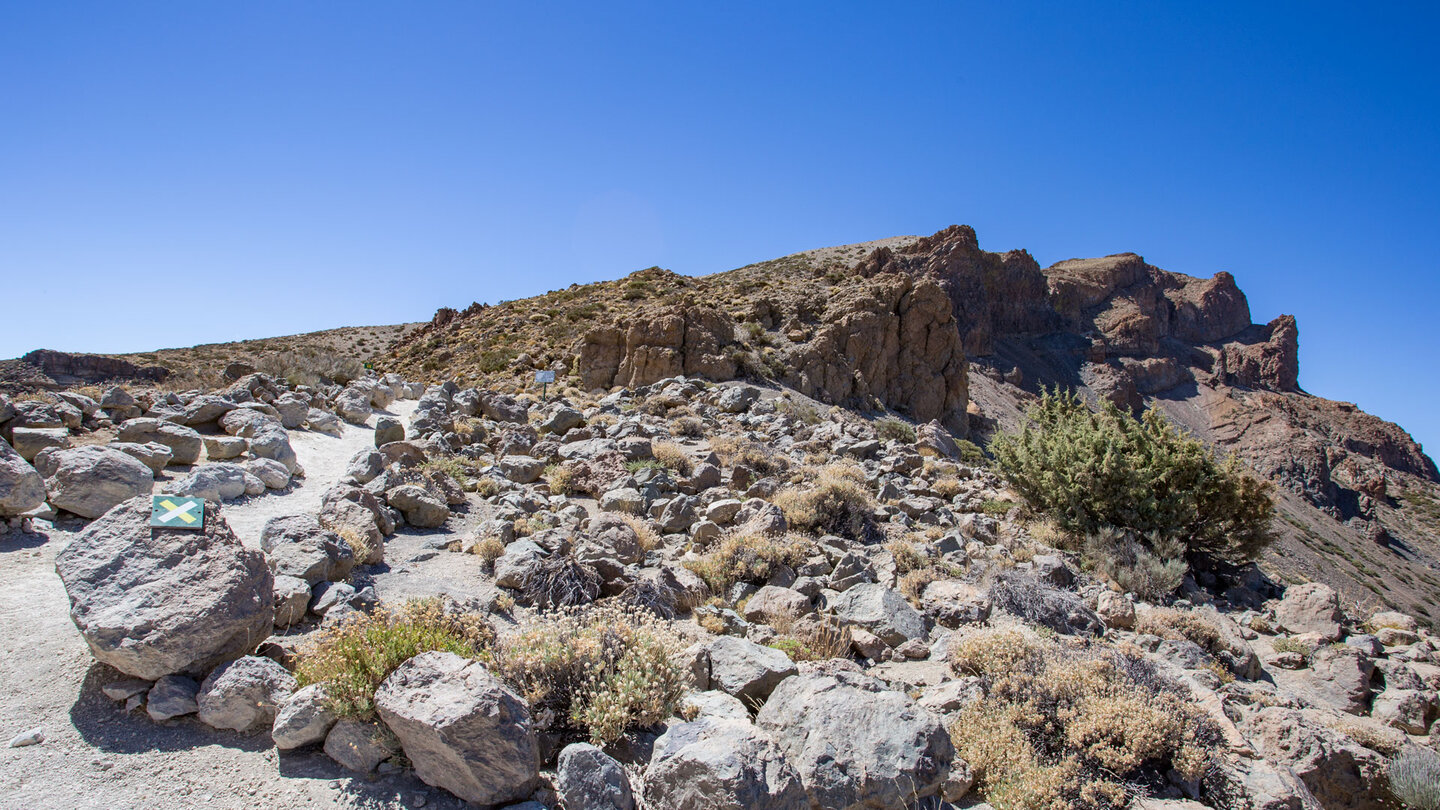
point(1285, 644)
point(748, 558)
point(559, 477)
point(1415, 778)
point(836, 503)
point(562, 581)
point(489, 550)
point(487, 487)
point(891, 428)
point(764, 461)
point(946, 487)
point(811, 638)
point(598, 671)
point(1152, 569)
point(310, 366)
point(602, 420)
point(913, 584)
point(907, 557)
point(353, 658)
point(648, 537)
point(673, 456)
point(360, 545)
point(454, 467)
point(712, 624)
point(1072, 726)
point(688, 426)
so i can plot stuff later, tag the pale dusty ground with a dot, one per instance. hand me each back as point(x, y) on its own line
point(97, 756)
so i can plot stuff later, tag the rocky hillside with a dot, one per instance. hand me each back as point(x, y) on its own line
point(868, 326)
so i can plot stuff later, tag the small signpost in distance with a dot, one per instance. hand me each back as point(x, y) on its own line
point(544, 378)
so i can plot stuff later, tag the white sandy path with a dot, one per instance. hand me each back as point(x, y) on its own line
point(97, 756)
point(324, 458)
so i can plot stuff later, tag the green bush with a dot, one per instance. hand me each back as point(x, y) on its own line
point(891, 428)
point(1090, 470)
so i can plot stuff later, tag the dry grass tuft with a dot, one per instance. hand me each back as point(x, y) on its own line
point(837, 502)
point(673, 456)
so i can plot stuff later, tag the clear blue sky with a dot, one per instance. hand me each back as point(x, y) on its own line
point(177, 173)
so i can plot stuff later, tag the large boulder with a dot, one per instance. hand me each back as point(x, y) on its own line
point(90, 480)
point(205, 409)
point(521, 469)
point(1340, 773)
point(244, 694)
point(720, 764)
point(28, 442)
point(421, 509)
point(1310, 608)
point(152, 602)
point(461, 727)
point(273, 442)
point(154, 455)
point(876, 608)
point(298, 546)
point(185, 443)
point(353, 406)
point(744, 669)
point(590, 779)
point(856, 743)
point(21, 487)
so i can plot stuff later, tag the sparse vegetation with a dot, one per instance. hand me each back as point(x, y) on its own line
point(836, 502)
point(353, 658)
point(489, 550)
point(747, 558)
point(598, 671)
point(1071, 726)
point(562, 581)
point(673, 456)
point(1153, 569)
point(734, 451)
point(894, 429)
point(1089, 470)
point(1415, 778)
point(559, 477)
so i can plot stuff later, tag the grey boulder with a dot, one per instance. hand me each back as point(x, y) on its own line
point(589, 779)
point(881, 611)
point(719, 764)
point(91, 480)
point(152, 602)
point(303, 719)
point(21, 487)
point(857, 744)
point(743, 669)
point(244, 694)
point(185, 443)
point(462, 728)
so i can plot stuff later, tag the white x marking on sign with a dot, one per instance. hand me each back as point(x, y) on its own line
point(182, 511)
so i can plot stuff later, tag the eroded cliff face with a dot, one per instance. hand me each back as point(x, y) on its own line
point(890, 340)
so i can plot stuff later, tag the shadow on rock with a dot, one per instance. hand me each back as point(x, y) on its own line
point(106, 725)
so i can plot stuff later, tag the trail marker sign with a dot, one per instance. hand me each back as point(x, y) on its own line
point(176, 512)
point(544, 378)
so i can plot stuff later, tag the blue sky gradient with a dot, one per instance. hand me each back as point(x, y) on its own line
point(181, 173)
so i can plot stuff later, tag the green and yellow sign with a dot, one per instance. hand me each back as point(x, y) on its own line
point(176, 512)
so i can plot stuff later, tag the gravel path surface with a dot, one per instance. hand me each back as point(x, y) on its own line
point(95, 755)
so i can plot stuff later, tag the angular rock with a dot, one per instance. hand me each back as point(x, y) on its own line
point(185, 443)
point(303, 719)
point(154, 455)
point(421, 509)
point(388, 429)
point(857, 744)
point(880, 610)
point(718, 764)
point(461, 727)
point(21, 487)
point(152, 602)
point(217, 482)
point(358, 746)
point(744, 669)
point(244, 694)
point(521, 469)
point(172, 696)
point(292, 600)
point(1310, 608)
point(272, 473)
point(28, 442)
point(91, 480)
point(219, 448)
point(772, 602)
point(589, 779)
point(298, 546)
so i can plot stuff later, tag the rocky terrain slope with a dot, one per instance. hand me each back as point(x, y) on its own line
point(676, 595)
point(864, 326)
